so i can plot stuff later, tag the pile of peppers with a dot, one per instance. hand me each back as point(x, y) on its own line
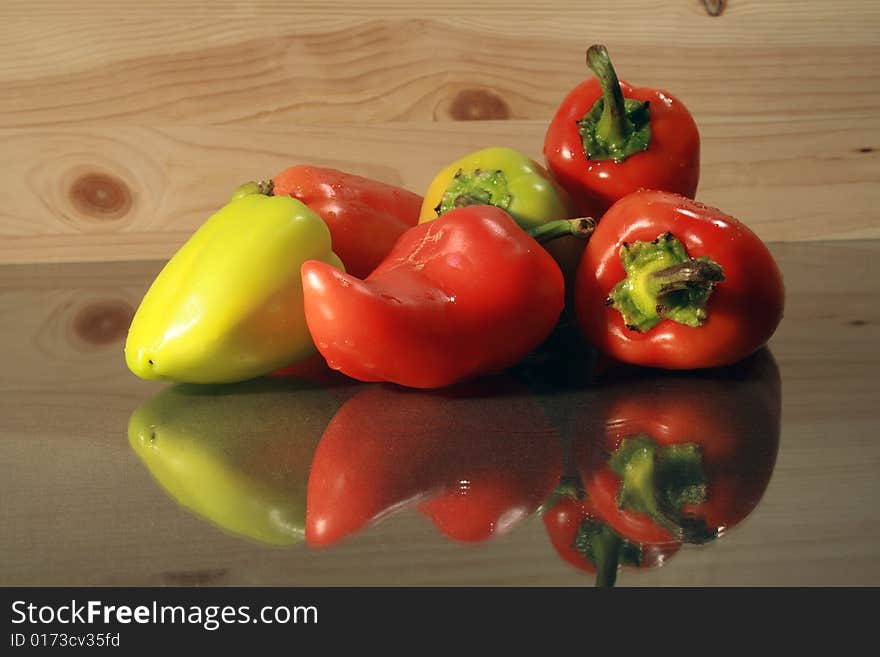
point(314, 278)
point(383, 284)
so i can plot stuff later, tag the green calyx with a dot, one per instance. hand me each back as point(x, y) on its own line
point(615, 127)
point(264, 187)
point(477, 187)
point(660, 482)
point(663, 282)
point(599, 545)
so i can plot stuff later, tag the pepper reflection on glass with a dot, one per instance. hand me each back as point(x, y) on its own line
point(237, 455)
point(654, 459)
point(476, 459)
point(624, 467)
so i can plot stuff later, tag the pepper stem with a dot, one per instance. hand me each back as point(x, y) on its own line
point(687, 275)
point(615, 127)
point(476, 187)
point(603, 548)
point(264, 187)
point(663, 282)
point(581, 228)
point(606, 551)
point(612, 127)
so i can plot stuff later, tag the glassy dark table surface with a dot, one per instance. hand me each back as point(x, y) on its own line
point(555, 473)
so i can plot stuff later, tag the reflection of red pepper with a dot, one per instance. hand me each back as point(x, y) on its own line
point(608, 139)
point(668, 282)
point(684, 457)
point(483, 456)
point(583, 540)
point(365, 217)
point(490, 497)
point(579, 533)
point(469, 293)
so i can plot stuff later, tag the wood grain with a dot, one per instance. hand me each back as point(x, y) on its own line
point(125, 123)
point(126, 192)
point(122, 62)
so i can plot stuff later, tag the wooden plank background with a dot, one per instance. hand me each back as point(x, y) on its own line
point(124, 123)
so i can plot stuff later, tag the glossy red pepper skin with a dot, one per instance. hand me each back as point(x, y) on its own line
point(365, 217)
point(731, 415)
point(485, 502)
point(577, 531)
point(476, 458)
point(743, 310)
point(562, 522)
point(467, 294)
point(671, 162)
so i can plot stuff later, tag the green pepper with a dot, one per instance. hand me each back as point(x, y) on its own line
point(228, 306)
point(503, 177)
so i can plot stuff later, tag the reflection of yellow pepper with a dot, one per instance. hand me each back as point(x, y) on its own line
point(237, 455)
point(228, 306)
point(502, 177)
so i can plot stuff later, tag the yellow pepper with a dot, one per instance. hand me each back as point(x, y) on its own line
point(228, 306)
point(502, 177)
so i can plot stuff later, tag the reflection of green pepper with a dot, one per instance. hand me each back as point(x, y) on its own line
point(502, 177)
point(238, 455)
point(228, 305)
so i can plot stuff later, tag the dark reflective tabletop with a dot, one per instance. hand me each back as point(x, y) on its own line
point(566, 470)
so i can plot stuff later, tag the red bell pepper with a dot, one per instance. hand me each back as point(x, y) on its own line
point(365, 217)
point(608, 139)
point(682, 457)
point(668, 282)
point(481, 457)
point(467, 294)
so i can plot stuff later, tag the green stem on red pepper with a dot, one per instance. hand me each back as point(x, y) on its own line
point(663, 282)
point(615, 127)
